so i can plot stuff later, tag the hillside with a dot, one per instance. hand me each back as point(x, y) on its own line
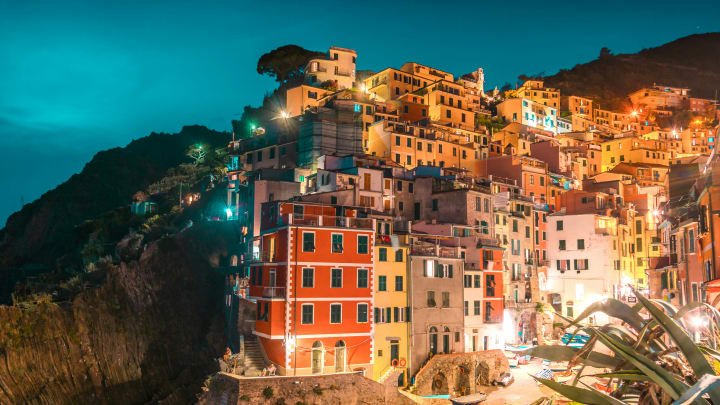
point(43, 237)
point(692, 61)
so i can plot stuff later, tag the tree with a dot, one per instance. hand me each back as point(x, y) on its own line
point(604, 52)
point(197, 152)
point(286, 63)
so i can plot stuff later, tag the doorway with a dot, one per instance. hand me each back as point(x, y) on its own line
point(340, 356)
point(317, 357)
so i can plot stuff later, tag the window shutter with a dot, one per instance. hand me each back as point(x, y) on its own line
point(377, 314)
point(450, 270)
point(576, 264)
point(396, 313)
point(388, 313)
point(558, 265)
point(407, 314)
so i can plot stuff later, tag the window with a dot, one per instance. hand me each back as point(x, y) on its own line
point(542, 181)
point(638, 244)
point(399, 256)
point(336, 278)
point(399, 185)
point(335, 313)
point(362, 244)
point(478, 204)
point(638, 226)
point(362, 278)
point(515, 225)
point(408, 141)
point(382, 283)
point(397, 140)
point(691, 241)
point(486, 205)
point(308, 242)
point(307, 314)
point(465, 308)
point(489, 285)
point(410, 187)
point(476, 307)
point(476, 281)
point(362, 313)
point(382, 253)
point(398, 283)
point(562, 244)
point(308, 278)
point(581, 244)
point(467, 281)
point(435, 204)
point(446, 299)
point(431, 298)
point(337, 243)
point(559, 225)
point(527, 231)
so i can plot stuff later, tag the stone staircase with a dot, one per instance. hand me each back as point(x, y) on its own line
point(254, 358)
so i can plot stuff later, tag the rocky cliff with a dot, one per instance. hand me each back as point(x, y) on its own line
point(147, 334)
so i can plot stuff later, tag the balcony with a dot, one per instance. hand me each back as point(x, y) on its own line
point(327, 221)
point(435, 251)
point(273, 292)
point(494, 319)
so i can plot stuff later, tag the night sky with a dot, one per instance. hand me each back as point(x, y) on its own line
point(77, 77)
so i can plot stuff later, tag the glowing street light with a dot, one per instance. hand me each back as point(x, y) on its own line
point(285, 114)
point(634, 113)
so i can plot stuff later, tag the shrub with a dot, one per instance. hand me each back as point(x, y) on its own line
point(645, 366)
point(268, 392)
point(245, 398)
point(317, 390)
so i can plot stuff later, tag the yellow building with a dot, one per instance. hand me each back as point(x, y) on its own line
point(633, 150)
point(391, 308)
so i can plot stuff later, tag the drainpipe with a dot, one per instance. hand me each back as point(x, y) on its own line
point(295, 283)
point(687, 271)
point(711, 224)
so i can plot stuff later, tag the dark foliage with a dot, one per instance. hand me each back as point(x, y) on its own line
point(42, 237)
point(692, 62)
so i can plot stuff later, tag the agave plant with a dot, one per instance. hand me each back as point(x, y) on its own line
point(653, 359)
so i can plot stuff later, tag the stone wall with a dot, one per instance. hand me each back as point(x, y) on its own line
point(346, 389)
point(461, 373)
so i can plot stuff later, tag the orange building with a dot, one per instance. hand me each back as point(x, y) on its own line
point(312, 280)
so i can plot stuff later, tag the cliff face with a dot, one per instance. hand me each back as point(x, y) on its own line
point(149, 333)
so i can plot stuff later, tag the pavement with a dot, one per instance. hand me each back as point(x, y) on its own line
point(525, 390)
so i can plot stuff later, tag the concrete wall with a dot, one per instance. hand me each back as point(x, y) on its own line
point(350, 389)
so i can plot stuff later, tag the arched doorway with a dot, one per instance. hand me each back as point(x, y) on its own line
point(440, 384)
point(433, 340)
point(339, 356)
point(317, 357)
point(446, 340)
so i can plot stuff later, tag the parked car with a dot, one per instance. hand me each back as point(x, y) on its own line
point(504, 379)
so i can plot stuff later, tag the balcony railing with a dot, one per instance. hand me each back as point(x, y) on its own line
point(326, 220)
point(436, 251)
point(273, 292)
point(494, 319)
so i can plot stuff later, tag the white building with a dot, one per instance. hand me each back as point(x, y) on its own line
point(583, 253)
point(339, 66)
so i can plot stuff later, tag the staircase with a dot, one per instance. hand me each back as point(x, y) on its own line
point(254, 359)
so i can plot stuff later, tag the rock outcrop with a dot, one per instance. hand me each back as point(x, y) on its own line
point(147, 334)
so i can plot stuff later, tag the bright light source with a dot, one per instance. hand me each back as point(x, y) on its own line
point(228, 212)
point(634, 113)
point(285, 114)
point(696, 321)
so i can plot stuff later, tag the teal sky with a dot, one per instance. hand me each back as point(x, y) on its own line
point(77, 77)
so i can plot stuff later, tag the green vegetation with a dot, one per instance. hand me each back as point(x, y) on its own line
point(317, 390)
point(654, 361)
point(268, 392)
point(245, 398)
point(686, 62)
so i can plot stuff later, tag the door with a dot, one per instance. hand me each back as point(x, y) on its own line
point(485, 342)
point(446, 343)
point(394, 352)
point(271, 278)
point(317, 358)
point(417, 211)
point(340, 356)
